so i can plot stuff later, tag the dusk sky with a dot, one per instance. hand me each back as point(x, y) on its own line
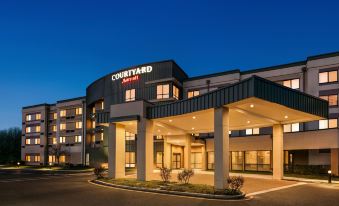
point(52, 50)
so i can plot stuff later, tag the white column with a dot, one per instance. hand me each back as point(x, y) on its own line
point(278, 152)
point(145, 148)
point(116, 151)
point(221, 147)
point(187, 151)
point(167, 153)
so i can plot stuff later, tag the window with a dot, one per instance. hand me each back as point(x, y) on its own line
point(93, 124)
point(28, 117)
point(102, 136)
point(163, 91)
point(28, 158)
point(54, 140)
point(328, 123)
point(37, 116)
point(36, 158)
point(62, 139)
point(78, 138)
point(193, 93)
point(196, 160)
point(78, 125)
point(37, 141)
point(159, 159)
point(325, 77)
point(130, 95)
point(159, 137)
point(54, 128)
point(210, 160)
point(55, 115)
point(62, 159)
point(332, 99)
point(292, 83)
point(62, 126)
point(93, 109)
point(28, 141)
point(63, 113)
point(129, 136)
point(28, 130)
point(130, 159)
point(252, 131)
point(291, 127)
point(78, 111)
point(51, 158)
point(37, 128)
point(102, 105)
point(237, 159)
point(175, 92)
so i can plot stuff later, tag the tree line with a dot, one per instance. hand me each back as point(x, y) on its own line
point(10, 145)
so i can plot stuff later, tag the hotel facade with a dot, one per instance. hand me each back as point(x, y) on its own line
point(276, 119)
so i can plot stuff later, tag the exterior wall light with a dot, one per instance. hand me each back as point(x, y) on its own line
point(252, 105)
point(18, 164)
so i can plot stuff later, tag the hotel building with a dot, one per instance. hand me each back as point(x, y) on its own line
point(274, 119)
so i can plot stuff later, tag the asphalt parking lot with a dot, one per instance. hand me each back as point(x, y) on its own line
point(18, 187)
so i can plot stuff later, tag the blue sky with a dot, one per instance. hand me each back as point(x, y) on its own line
point(51, 50)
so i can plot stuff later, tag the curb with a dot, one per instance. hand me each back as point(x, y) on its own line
point(186, 194)
point(309, 180)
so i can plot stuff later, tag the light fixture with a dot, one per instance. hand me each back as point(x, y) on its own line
point(158, 130)
point(192, 128)
point(286, 116)
point(170, 120)
point(248, 121)
point(329, 176)
point(168, 133)
point(252, 105)
point(329, 172)
point(194, 117)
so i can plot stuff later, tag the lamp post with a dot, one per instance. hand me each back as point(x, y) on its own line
point(329, 176)
point(18, 164)
point(50, 165)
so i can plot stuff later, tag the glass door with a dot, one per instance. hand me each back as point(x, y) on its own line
point(176, 161)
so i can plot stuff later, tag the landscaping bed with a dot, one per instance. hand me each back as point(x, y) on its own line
point(184, 189)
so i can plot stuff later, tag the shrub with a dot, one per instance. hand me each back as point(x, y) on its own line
point(99, 172)
point(235, 183)
point(185, 175)
point(165, 174)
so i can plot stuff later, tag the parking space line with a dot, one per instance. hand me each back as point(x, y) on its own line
point(276, 189)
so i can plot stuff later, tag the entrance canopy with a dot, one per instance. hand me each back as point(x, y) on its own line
point(252, 103)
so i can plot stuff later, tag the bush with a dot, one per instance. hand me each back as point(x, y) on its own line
point(235, 183)
point(165, 174)
point(185, 175)
point(99, 172)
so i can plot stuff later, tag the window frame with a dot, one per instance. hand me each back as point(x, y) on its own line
point(327, 73)
point(161, 94)
point(128, 95)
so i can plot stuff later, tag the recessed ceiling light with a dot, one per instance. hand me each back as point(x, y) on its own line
point(194, 117)
point(252, 105)
point(168, 133)
point(248, 121)
point(192, 128)
point(286, 116)
point(170, 120)
point(158, 130)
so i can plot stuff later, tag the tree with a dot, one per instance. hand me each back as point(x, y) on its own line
point(58, 151)
point(10, 145)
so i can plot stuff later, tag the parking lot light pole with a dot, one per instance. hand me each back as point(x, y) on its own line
point(329, 176)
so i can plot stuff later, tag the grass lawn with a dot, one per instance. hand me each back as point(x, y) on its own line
point(75, 168)
point(156, 184)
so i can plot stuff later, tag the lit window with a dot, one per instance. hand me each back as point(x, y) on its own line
point(229, 132)
point(325, 77)
point(28, 117)
point(175, 92)
point(51, 158)
point(93, 110)
point(36, 158)
point(93, 124)
point(332, 99)
point(93, 138)
point(37, 116)
point(102, 136)
point(62, 139)
point(78, 111)
point(28, 141)
point(163, 91)
point(130, 159)
point(63, 113)
point(55, 115)
point(252, 131)
point(129, 136)
point(159, 137)
point(54, 140)
point(37, 128)
point(62, 126)
point(28, 130)
point(102, 105)
point(54, 128)
point(130, 95)
point(78, 125)
point(292, 83)
point(28, 158)
point(328, 123)
point(193, 93)
point(37, 141)
point(77, 138)
point(291, 127)
point(62, 159)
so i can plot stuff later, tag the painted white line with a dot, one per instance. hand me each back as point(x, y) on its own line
point(276, 189)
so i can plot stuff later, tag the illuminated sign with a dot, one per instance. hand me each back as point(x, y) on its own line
point(131, 73)
point(130, 79)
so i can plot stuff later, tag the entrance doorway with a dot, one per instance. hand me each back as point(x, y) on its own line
point(176, 161)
